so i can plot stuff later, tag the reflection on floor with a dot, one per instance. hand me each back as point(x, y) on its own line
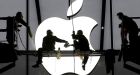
point(20, 67)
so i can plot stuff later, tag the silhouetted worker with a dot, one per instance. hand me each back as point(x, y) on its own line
point(128, 26)
point(47, 45)
point(12, 26)
point(81, 43)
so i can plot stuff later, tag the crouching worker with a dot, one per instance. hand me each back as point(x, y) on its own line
point(81, 43)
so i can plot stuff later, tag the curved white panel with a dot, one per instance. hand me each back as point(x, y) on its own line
point(74, 7)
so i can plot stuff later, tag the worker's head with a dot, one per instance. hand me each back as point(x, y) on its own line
point(19, 15)
point(79, 32)
point(120, 15)
point(49, 32)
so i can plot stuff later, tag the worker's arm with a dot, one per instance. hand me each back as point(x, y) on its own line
point(3, 18)
point(25, 24)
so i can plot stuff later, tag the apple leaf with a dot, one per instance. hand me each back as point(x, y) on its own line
point(74, 8)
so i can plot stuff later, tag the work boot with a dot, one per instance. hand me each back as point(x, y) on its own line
point(83, 66)
point(35, 66)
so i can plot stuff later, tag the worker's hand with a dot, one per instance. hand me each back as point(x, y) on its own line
point(120, 25)
point(73, 32)
point(66, 44)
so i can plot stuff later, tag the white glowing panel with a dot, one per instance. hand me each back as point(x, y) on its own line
point(63, 29)
point(74, 7)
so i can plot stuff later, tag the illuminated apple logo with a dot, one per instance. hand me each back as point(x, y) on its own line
point(63, 29)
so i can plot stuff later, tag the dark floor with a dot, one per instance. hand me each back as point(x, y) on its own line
point(100, 69)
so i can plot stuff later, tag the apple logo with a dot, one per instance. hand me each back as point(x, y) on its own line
point(63, 29)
